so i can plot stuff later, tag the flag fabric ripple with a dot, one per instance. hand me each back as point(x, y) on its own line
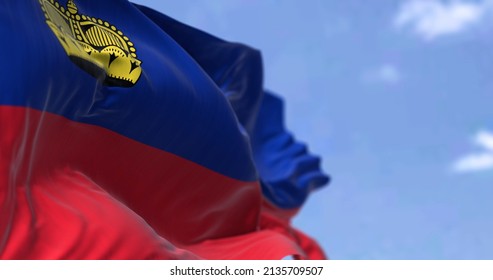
point(125, 134)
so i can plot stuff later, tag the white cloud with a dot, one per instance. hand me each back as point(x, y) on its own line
point(485, 140)
point(433, 18)
point(477, 161)
point(474, 162)
point(385, 73)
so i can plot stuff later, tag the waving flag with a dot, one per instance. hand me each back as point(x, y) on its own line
point(127, 135)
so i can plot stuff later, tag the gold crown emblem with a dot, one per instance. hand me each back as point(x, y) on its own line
point(94, 45)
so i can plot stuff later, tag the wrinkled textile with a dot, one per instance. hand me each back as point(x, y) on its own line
point(125, 134)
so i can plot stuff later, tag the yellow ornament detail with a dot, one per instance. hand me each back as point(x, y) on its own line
point(95, 46)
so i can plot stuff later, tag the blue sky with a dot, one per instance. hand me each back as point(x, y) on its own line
point(396, 98)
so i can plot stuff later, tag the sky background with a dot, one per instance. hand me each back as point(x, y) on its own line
point(396, 98)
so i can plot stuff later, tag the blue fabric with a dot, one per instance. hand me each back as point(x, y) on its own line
point(174, 106)
point(289, 173)
point(235, 68)
point(198, 97)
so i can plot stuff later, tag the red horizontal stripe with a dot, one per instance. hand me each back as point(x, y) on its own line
point(75, 191)
point(184, 202)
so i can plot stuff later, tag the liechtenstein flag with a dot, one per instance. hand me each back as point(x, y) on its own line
point(125, 134)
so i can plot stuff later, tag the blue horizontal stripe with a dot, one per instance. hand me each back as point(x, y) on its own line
point(175, 106)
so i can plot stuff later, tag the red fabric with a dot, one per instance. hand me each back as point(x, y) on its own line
point(75, 191)
point(65, 215)
point(279, 220)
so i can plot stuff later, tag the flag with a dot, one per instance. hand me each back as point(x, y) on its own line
point(127, 135)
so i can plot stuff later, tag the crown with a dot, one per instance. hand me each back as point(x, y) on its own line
point(93, 44)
